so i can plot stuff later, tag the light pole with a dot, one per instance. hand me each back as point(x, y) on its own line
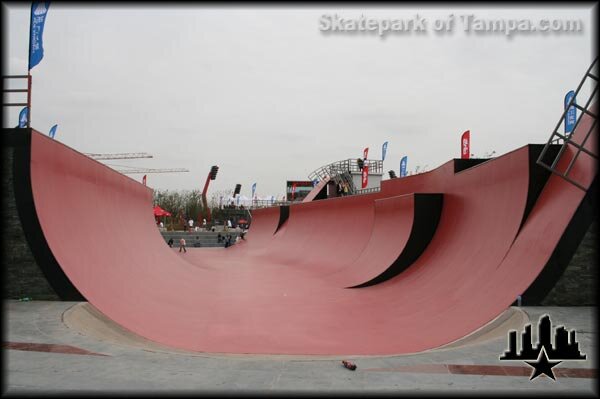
point(212, 175)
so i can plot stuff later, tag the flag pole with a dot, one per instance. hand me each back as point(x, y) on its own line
point(29, 69)
point(28, 99)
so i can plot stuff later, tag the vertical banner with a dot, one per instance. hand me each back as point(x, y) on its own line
point(365, 176)
point(23, 117)
point(365, 153)
point(253, 190)
point(571, 116)
point(52, 131)
point(144, 180)
point(293, 190)
point(403, 162)
point(39, 9)
point(465, 145)
point(384, 151)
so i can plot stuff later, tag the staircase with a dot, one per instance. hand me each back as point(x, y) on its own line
point(340, 172)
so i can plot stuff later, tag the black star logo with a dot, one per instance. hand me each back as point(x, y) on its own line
point(542, 365)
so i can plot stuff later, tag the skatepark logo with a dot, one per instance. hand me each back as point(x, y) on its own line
point(544, 356)
point(40, 9)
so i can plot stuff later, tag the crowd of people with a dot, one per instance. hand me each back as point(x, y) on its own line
point(226, 239)
point(232, 205)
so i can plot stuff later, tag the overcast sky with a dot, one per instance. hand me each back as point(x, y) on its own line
point(266, 95)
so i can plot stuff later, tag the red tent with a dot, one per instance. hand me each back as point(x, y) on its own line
point(158, 211)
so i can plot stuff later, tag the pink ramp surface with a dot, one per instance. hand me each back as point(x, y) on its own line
point(264, 224)
point(394, 239)
point(317, 237)
point(547, 220)
point(316, 190)
point(273, 296)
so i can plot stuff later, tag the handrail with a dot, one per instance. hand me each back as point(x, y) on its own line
point(18, 104)
point(340, 172)
point(368, 190)
point(346, 165)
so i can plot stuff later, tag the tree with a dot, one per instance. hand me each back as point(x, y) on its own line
point(183, 204)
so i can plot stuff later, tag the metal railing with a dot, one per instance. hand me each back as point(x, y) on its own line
point(340, 172)
point(368, 190)
point(255, 204)
point(565, 139)
point(18, 104)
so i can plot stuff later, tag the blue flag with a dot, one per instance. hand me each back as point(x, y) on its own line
point(23, 117)
point(39, 9)
point(52, 131)
point(403, 166)
point(384, 150)
point(571, 116)
point(253, 190)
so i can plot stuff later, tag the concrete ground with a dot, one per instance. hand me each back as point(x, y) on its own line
point(46, 352)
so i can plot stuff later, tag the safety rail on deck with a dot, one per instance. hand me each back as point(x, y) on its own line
point(18, 104)
point(268, 203)
point(346, 165)
point(368, 190)
point(340, 172)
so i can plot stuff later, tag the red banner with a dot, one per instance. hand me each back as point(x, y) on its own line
point(365, 176)
point(144, 180)
point(465, 145)
point(365, 153)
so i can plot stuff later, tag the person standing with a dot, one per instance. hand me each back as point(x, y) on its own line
point(182, 244)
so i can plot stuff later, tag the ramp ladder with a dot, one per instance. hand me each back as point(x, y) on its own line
point(591, 77)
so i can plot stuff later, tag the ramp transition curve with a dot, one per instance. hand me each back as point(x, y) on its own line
point(283, 291)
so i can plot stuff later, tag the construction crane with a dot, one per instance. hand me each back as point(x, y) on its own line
point(149, 170)
point(125, 155)
point(132, 155)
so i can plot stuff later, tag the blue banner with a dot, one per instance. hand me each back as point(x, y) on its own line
point(52, 131)
point(571, 116)
point(403, 166)
point(39, 9)
point(315, 182)
point(23, 117)
point(384, 150)
point(253, 190)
